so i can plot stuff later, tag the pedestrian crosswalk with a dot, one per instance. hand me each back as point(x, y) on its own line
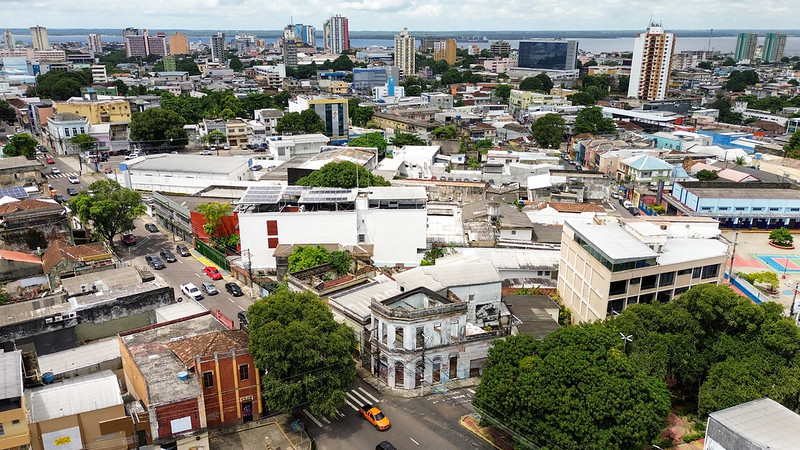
point(53, 176)
point(355, 397)
point(453, 397)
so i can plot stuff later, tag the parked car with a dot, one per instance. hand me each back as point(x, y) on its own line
point(385, 445)
point(72, 191)
point(256, 168)
point(151, 227)
point(212, 272)
point(74, 179)
point(206, 153)
point(59, 198)
point(233, 289)
point(209, 288)
point(55, 170)
point(168, 256)
point(191, 291)
point(155, 262)
point(627, 205)
point(182, 250)
point(50, 160)
point(244, 146)
point(132, 156)
point(614, 195)
point(129, 239)
point(260, 149)
point(635, 211)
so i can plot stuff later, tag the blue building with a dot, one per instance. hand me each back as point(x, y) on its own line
point(738, 205)
point(548, 54)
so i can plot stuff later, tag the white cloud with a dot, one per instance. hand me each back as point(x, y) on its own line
point(394, 15)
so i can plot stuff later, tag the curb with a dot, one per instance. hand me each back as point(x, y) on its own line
point(466, 422)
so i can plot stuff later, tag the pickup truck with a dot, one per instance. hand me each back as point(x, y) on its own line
point(191, 291)
point(375, 417)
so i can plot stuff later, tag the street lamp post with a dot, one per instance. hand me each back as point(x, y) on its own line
point(626, 339)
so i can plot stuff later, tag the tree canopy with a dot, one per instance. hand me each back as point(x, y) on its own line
point(706, 175)
point(305, 257)
point(739, 80)
point(21, 144)
point(781, 236)
point(359, 115)
point(59, 85)
point(85, 142)
point(375, 140)
point(158, 128)
point(576, 388)
point(215, 137)
point(306, 356)
point(503, 91)
point(447, 132)
point(342, 175)
point(538, 83)
point(110, 210)
point(7, 112)
point(402, 139)
point(548, 130)
point(591, 120)
point(792, 147)
point(305, 122)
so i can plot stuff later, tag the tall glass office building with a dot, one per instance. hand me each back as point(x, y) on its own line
point(548, 54)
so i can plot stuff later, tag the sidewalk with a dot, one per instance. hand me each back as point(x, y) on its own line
point(493, 437)
point(373, 381)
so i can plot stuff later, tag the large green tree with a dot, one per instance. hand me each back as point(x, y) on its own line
point(7, 112)
point(576, 388)
point(110, 210)
point(792, 147)
point(548, 130)
point(591, 120)
point(539, 83)
point(21, 144)
point(502, 91)
point(59, 85)
point(402, 139)
point(305, 355)
point(305, 122)
point(375, 140)
point(85, 142)
point(342, 175)
point(305, 257)
point(215, 137)
point(158, 128)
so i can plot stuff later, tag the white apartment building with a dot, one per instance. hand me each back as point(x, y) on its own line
point(99, 74)
point(284, 148)
point(651, 65)
point(392, 219)
point(606, 267)
point(404, 53)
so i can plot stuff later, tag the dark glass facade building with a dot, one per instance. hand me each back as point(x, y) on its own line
point(548, 54)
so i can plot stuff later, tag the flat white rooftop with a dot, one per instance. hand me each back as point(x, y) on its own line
point(613, 242)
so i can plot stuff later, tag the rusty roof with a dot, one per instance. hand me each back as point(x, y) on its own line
point(20, 256)
point(576, 207)
point(207, 344)
point(59, 250)
point(27, 205)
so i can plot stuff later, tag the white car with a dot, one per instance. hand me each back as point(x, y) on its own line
point(191, 291)
point(74, 179)
point(132, 156)
point(206, 153)
point(55, 170)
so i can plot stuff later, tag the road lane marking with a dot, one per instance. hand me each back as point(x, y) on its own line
point(412, 440)
point(311, 416)
point(375, 400)
point(325, 419)
point(351, 405)
point(360, 399)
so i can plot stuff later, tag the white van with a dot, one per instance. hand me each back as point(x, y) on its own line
point(627, 204)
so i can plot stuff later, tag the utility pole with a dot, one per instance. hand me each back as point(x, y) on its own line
point(733, 255)
point(246, 253)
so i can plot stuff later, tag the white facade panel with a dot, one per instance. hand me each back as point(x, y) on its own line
point(397, 234)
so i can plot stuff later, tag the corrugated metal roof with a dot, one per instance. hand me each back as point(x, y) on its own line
point(765, 422)
point(188, 164)
point(74, 396)
point(79, 357)
point(449, 272)
point(355, 302)
point(10, 374)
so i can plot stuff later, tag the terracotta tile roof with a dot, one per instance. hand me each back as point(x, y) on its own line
point(576, 207)
point(27, 205)
point(59, 250)
point(208, 344)
point(17, 103)
point(20, 256)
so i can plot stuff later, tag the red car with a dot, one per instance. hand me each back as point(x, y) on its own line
point(50, 160)
point(129, 239)
point(212, 272)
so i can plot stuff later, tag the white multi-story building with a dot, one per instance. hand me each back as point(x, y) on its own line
point(336, 34)
point(606, 267)
point(392, 219)
point(64, 126)
point(272, 75)
point(404, 54)
point(651, 65)
point(95, 44)
point(285, 148)
point(39, 38)
point(99, 74)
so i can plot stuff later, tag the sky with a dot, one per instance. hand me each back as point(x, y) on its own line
point(393, 15)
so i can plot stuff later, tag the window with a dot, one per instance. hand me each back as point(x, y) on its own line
point(740, 208)
point(66, 132)
point(666, 279)
point(75, 131)
point(244, 372)
point(513, 232)
point(684, 272)
point(384, 332)
point(2, 432)
point(208, 379)
point(362, 238)
point(696, 272)
point(399, 333)
point(420, 337)
point(83, 130)
point(636, 280)
point(617, 288)
point(710, 271)
point(774, 209)
point(649, 282)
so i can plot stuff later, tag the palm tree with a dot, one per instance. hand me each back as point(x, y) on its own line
point(739, 161)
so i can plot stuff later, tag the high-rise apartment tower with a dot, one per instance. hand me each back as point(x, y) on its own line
point(650, 68)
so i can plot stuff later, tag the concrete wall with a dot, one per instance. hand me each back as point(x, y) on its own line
point(50, 434)
point(14, 270)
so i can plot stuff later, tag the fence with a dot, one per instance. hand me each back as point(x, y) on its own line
point(213, 254)
point(748, 289)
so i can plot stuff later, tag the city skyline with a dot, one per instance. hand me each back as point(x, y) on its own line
point(382, 15)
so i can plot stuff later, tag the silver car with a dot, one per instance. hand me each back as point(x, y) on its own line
point(209, 288)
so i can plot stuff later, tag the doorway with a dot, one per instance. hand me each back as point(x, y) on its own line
point(247, 412)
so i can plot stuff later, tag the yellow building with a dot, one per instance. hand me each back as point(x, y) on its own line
point(13, 418)
point(236, 132)
point(178, 44)
point(445, 50)
point(97, 111)
point(521, 100)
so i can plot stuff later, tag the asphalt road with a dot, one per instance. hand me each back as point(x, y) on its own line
point(185, 269)
point(423, 423)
